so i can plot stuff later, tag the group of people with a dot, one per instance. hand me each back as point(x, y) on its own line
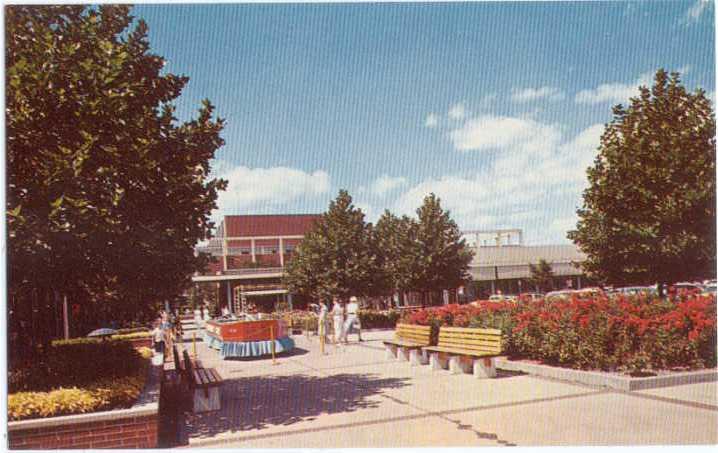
point(167, 328)
point(344, 318)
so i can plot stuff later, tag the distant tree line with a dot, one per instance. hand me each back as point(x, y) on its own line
point(345, 256)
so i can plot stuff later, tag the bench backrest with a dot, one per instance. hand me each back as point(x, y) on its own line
point(473, 339)
point(175, 356)
point(417, 334)
point(187, 363)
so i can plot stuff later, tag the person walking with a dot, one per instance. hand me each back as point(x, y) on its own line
point(322, 325)
point(338, 317)
point(352, 319)
point(158, 339)
point(205, 314)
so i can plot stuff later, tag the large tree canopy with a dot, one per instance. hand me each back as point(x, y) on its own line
point(107, 193)
point(649, 213)
point(441, 258)
point(336, 258)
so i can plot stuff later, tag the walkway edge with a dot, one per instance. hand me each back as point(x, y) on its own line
point(605, 380)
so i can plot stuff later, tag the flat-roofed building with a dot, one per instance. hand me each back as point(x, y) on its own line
point(250, 254)
point(506, 267)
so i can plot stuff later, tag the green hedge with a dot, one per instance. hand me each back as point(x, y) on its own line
point(76, 362)
point(374, 319)
point(102, 394)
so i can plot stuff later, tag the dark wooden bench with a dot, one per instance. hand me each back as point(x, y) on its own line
point(204, 384)
point(465, 348)
point(408, 343)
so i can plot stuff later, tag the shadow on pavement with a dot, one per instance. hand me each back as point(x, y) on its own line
point(255, 403)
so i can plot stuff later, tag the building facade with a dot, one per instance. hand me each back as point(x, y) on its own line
point(504, 265)
point(250, 253)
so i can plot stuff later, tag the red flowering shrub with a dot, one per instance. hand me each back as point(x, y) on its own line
point(595, 332)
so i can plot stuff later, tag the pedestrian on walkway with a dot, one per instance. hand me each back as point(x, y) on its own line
point(352, 319)
point(198, 318)
point(323, 325)
point(338, 317)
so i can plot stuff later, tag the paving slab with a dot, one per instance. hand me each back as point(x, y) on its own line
point(606, 418)
point(705, 392)
point(355, 397)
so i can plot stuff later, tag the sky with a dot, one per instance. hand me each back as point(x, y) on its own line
point(496, 107)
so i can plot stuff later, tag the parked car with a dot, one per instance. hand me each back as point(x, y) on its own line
point(633, 290)
point(500, 297)
point(562, 294)
point(686, 286)
point(709, 289)
point(531, 296)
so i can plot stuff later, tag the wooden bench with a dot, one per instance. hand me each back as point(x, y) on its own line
point(466, 348)
point(204, 384)
point(408, 343)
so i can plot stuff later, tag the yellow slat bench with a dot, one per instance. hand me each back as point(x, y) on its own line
point(480, 346)
point(407, 343)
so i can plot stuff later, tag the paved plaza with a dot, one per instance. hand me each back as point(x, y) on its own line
point(355, 397)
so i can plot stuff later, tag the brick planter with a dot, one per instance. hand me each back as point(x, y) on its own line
point(135, 427)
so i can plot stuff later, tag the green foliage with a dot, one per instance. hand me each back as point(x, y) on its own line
point(373, 319)
point(74, 362)
point(395, 242)
point(103, 394)
point(649, 213)
point(336, 258)
point(441, 258)
point(541, 275)
point(107, 194)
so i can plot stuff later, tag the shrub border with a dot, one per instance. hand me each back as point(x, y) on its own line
point(147, 405)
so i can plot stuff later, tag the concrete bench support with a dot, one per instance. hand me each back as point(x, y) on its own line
point(402, 354)
point(457, 366)
point(436, 362)
point(390, 351)
point(485, 368)
point(417, 357)
point(204, 402)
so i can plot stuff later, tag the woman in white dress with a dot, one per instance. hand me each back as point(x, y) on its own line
point(338, 317)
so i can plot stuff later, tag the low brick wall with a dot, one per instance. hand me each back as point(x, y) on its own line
point(136, 427)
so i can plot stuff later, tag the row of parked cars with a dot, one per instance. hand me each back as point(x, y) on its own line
point(705, 287)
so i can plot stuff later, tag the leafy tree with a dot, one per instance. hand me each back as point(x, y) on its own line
point(649, 213)
point(396, 245)
point(336, 258)
point(541, 275)
point(107, 194)
point(441, 257)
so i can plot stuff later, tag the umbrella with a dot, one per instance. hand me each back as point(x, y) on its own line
point(104, 332)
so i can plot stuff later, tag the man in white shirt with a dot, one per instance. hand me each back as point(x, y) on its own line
point(352, 318)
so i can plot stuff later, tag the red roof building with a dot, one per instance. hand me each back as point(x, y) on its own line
point(250, 253)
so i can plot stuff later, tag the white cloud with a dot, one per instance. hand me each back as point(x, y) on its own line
point(532, 94)
point(502, 132)
point(457, 111)
point(613, 92)
point(383, 184)
point(694, 13)
point(537, 179)
point(432, 120)
point(262, 189)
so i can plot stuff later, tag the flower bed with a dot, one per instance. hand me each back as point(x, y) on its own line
point(631, 333)
point(74, 378)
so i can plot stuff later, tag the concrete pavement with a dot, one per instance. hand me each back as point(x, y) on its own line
point(355, 397)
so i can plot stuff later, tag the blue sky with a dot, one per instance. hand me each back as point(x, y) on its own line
point(496, 107)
